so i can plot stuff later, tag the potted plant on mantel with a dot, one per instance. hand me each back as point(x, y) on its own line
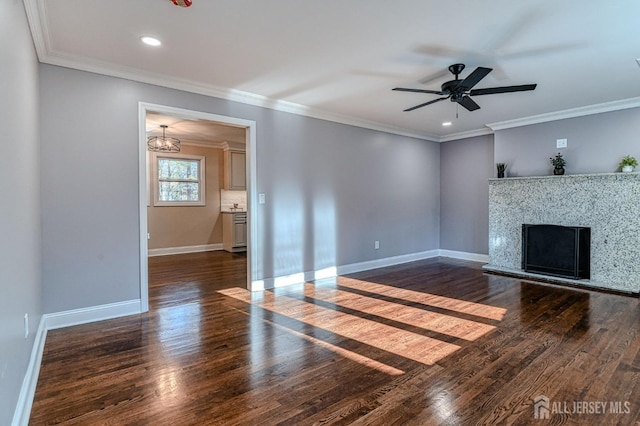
point(501, 169)
point(558, 164)
point(628, 163)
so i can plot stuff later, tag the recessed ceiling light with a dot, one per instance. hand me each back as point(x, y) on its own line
point(150, 41)
point(446, 123)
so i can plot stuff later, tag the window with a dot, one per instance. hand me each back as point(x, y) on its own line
point(179, 180)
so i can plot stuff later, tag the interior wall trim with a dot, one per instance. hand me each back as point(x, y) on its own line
point(91, 314)
point(387, 261)
point(333, 271)
point(473, 257)
point(60, 320)
point(37, 17)
point(28, 389)
point(289, 107)
point(41, 34)
point(567, 113)
point(132, 307)
point(466, 135)
point(184, 249)
point(204, 144)
point(248, 98)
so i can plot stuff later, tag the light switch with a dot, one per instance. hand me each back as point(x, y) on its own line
point(261, 198)
point(561, 143)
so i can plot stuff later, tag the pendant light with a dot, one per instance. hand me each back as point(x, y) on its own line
point(163, 144)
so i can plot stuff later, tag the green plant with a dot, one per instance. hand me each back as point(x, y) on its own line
point(628, 160)
point(558, 161)
point(501, 167)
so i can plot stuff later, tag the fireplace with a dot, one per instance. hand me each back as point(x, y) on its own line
point(563, 251)
point(607, 203)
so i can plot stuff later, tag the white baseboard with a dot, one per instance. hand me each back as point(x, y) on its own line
point(333, 271)
point(28, 390)
point(302, 277)
point(60, 320)
point(474, 257)
point(184, 249)
point(132, 307)
point(387, 261)
point(92, 314)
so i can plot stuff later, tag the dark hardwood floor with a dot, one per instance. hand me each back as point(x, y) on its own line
point(434, 342)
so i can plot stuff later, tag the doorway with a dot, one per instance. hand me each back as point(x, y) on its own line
point(249, 127)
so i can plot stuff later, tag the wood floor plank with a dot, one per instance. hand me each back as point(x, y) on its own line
point(426, 343)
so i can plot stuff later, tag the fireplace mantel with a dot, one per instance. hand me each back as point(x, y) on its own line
point(608, 203)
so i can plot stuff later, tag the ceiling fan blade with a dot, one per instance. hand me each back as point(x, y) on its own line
point(468, 103)
point(425, 104)
point(473, 78)
point(402, 89)
point(504, 89)
point(433, 77)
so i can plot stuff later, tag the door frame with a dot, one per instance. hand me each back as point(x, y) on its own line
point(252, 197)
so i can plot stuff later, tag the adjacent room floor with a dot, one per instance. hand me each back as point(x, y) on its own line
point(425, 343)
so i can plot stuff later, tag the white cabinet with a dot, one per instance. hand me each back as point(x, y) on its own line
point(235, 170)
point(240, 234)
point(234, 231)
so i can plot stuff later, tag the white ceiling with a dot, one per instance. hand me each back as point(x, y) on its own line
point(339, 59)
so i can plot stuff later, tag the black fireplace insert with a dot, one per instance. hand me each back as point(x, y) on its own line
point(563, 251)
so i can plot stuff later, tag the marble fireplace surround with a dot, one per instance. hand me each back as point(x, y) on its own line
point(608, 203)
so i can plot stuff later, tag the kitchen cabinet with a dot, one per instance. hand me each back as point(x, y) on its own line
point(235, 170)
point(234, 231)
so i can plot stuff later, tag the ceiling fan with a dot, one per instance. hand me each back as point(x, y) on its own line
point(459, 90)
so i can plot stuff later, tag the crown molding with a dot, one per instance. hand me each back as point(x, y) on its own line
point(204, 144)
point(37, 17)
point(234, 95)
point(234, 146)
point(544, 118)
point(465, 135)
point(223, 145)
point(567, 113)
point(38, 26)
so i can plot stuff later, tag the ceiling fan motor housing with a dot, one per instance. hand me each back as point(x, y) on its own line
point(456, 69)
point(450, 86)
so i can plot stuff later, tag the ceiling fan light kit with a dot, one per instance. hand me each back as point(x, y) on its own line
point(460, 90)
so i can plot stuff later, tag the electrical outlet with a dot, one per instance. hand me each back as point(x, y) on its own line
point(561, 143)
point(261, 198)
point(26, 325)
point(376, 245)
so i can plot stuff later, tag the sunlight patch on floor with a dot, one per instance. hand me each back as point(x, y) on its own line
point(404, 343)
point(432, 321)
point(360, 359)
point(456, 305)
point(360, 324)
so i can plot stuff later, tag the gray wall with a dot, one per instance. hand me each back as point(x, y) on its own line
point(331, 189)
point(465, 166)
point(20, 276)
point(596, 144)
